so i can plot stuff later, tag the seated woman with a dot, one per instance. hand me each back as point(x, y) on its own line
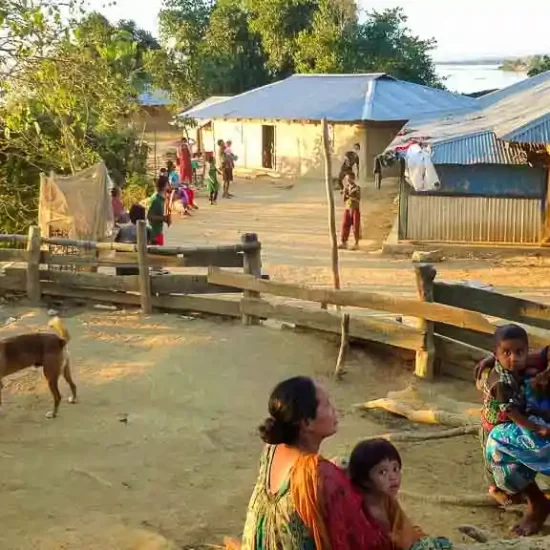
point(375, 469)
point(302, 501)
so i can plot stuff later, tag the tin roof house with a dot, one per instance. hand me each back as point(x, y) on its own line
point(493, 168)
point(277, 128)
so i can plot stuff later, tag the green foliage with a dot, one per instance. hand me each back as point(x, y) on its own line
point(69, 84)
point(538, 64)
point(230, 46)
point(138, 188)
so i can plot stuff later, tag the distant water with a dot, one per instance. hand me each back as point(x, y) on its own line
point(467, 79)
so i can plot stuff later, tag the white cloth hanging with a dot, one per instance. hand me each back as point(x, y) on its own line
point(420, 171)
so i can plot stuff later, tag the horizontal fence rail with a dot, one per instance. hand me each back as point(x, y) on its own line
point(452, 333)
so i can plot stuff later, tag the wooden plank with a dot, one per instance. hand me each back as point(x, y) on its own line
point(143, 264)
point(494, 304)
point(16, 283)
point(130, 259)
point(33, 265)
point(484, 341)
point(214, 306)
point(179, 304)
point(363, 328)
point(470, 337)
point(425, 357)
point(252, 265)
point(456, 359)
point(187, 284)
point(392, 304)
point(13, 255)
point(14, 239)
point(203, 258)
point(96, 281)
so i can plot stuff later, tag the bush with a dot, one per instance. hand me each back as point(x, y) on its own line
point(138, 188)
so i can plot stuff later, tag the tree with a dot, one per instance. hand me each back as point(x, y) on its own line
point(232, 57)
point(228, 46)
point(538, 64)
point(385, 44)
point(325, 47)
point(278, 23)
point(64, 98)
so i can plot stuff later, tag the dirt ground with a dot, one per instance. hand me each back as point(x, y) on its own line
point(162, 452)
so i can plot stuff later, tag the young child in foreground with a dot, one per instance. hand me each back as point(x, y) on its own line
point(375, 469)
point(513, 385)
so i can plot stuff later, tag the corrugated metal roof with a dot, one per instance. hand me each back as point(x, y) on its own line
point(481, 148)
point(536, 131)
point(489, 134)
point(514, 89)
point(155, 98)
point(338, 98)
point(212, 100)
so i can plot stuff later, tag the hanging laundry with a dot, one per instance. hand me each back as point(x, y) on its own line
point(420, 172)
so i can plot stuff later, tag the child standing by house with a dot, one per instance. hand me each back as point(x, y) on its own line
point(212, 183)
point(352, 212)
point(156, 215)
point(375, 470)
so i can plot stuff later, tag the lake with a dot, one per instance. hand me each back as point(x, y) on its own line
point(467, 79)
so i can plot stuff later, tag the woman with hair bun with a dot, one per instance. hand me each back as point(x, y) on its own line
point(302, 501)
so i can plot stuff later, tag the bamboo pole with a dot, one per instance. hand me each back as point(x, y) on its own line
point(331, 209)
point(143, 263)
point(344, 345)
point(33, 265)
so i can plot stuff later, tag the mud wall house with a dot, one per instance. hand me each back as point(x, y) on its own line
point(276, 129)
point(493, 167)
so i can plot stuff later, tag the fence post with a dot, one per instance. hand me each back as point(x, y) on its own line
point(252, 266)
point(425, 356)
point(33, 265)
point(143, 264)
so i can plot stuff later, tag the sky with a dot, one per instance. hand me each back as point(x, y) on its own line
point(480, 28)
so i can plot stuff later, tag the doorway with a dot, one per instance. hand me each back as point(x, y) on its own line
point(268, 147)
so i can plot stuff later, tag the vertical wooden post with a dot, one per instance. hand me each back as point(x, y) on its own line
point(252, 266)
point(33, 265)
point(344, 345)
point(143, 264)
point(425, 356)
point(331, 208)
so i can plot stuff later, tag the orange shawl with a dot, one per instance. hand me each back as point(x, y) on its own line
point(307, 498)
point(403, 533)
point(331, 508)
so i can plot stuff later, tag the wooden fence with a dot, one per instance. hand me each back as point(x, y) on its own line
point(177, 292)
point(451, 333)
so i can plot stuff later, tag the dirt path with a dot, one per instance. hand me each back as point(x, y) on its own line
point(291, 221)
point(183, 465)
point(181, 468)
